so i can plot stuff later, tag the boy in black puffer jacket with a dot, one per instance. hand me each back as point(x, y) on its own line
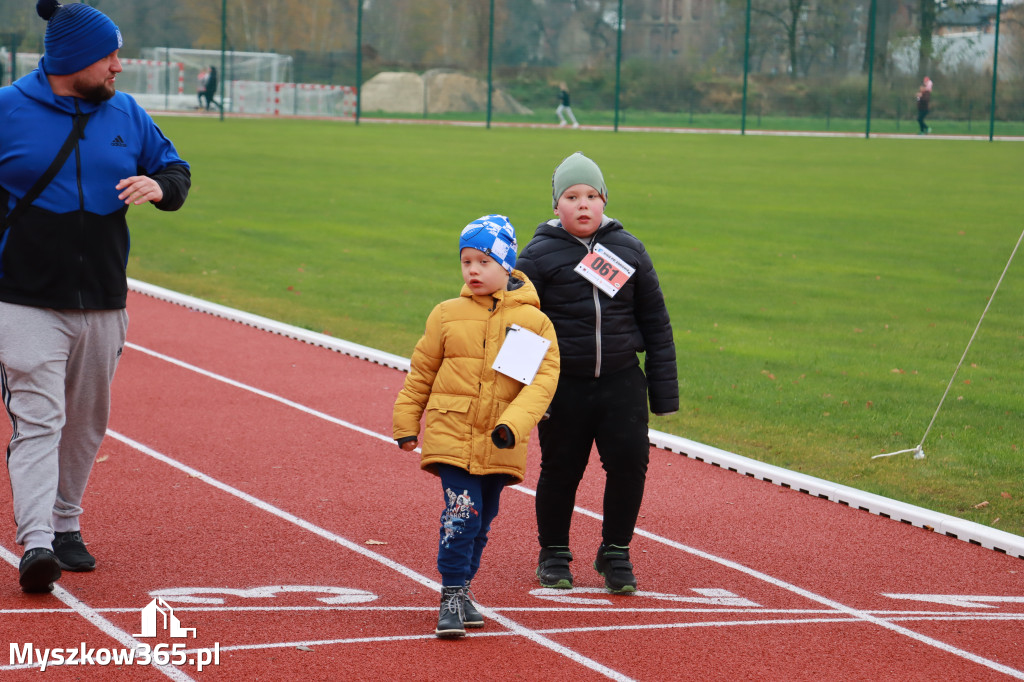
point(598, 286)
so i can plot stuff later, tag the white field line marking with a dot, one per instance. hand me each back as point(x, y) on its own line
point(93, 616)
point(887, 615)
point(807, 594)
point(359, 549)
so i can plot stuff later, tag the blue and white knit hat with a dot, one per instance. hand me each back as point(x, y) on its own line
point(77, 36)
point(495, 236)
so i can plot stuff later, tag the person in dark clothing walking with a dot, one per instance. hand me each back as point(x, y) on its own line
point(924, 98)
point(210, 91)
point(598, 285)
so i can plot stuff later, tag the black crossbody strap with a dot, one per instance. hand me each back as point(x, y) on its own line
point(77, 133)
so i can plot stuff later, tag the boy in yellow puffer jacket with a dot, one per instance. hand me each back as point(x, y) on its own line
point(478, 420)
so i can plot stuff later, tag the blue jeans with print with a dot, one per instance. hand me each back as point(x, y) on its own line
point(471, 503)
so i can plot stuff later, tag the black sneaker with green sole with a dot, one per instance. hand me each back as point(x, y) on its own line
point(553, 568)
point(613, 564)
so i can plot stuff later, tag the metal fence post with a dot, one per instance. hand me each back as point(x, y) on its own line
point(618, 67)
point(995, 75)
point(871, 63)
point(746, 68)
point(490, 63)
point(359, 58)
point(223, 58)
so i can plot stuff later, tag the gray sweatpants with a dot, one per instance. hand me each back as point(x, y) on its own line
point(55, 367)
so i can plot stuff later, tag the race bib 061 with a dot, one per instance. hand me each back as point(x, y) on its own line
point(605, 270)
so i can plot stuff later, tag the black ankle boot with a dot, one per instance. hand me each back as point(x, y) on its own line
point(450, 620)
point(471, 617)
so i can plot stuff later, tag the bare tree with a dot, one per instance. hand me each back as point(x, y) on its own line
point(928, 12)
point(271, 25)
point(884, 12)
point(789, 14)
point(831, 35)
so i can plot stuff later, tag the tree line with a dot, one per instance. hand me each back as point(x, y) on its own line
point(538, 42)
point(798, 37)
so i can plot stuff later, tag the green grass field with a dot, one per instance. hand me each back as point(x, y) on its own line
point(822, 291)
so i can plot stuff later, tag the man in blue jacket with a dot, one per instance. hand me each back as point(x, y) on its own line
point(63, 254)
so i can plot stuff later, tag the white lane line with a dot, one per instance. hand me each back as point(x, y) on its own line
point(93, 616)
point(263, 394)
point(781, 584)
point(807, 594)
point(369, 554)
point(506, 633)
point(887, 615)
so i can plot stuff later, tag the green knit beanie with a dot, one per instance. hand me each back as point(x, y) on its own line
point(576, 169)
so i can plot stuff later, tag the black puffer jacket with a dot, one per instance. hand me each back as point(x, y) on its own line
point(598, 334)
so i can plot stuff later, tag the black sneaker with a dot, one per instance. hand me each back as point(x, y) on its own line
point(613, 563)
point(471, 618)
point(38, 570)
point(553, 568)
point(71, 552)
point(450, 620)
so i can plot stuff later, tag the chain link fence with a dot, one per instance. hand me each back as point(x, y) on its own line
point(737, 65)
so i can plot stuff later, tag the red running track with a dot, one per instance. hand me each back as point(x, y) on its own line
point(250, 482)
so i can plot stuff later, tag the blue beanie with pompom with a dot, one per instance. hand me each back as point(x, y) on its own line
point(77, 36)
point(494, 235)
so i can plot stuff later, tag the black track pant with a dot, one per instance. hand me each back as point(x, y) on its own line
point(610, 411)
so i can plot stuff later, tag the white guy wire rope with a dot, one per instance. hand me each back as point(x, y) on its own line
point(919, 450)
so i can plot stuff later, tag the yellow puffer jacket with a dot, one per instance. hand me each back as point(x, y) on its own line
point(464, 398)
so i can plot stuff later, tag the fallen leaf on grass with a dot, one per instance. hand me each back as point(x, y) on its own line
point(375, 542)
point(1006, 494)
point(981, 505)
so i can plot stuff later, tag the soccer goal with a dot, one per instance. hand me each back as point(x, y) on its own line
point(152, 77)
point(258, 98)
